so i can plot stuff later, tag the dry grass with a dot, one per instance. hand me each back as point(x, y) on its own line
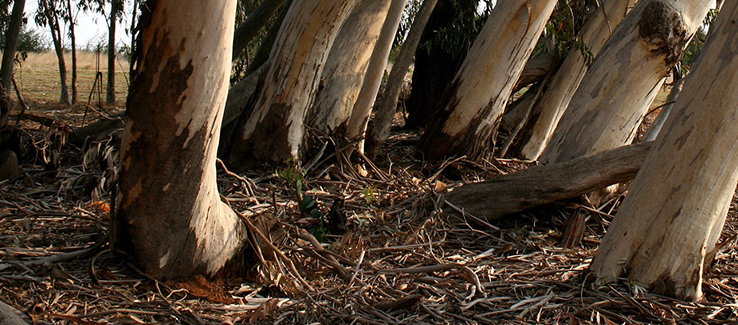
point(38, 77)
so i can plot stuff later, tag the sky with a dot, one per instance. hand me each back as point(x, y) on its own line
point(91, 28)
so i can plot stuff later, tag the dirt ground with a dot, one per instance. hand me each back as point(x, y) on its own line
point(401, 260)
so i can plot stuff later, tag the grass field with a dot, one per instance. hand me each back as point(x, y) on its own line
point(38, 77)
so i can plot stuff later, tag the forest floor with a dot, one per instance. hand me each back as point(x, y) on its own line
point(400, 260)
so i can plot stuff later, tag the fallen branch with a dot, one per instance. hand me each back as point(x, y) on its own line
point(10, 315)
point(545, 184)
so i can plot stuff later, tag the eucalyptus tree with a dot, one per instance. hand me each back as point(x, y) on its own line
point(169, 215)
point(12, 33)
point(50, 14)
point(477, 97)
point(623, 80)
point(667, 228)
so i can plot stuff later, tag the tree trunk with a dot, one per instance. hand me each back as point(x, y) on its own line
point(624, 79)
point(658, 124)
point(678, 202)
point(557, 95)
point(113, 21)
point(535, 70)
point(73, 40)
point(387, 105)
point(436, 63)
point(170, 217)
point(273, 133)
point(50, 7)
point(10, 315)
point(346, 67)
point(255, 21)
point(262, 54)
point(484, 83)
point(11, 42)
point(545, 184)
point(377, 64)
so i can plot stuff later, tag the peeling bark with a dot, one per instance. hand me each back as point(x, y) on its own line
point(678, 202)
point(346, 67)
point(624, 79)
point(170, 217)
point(274, 130)
point(555, 99)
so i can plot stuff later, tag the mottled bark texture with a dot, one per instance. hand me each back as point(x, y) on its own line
point(624, 79)
point(552, 104)
point(273, 132)
point(677, 204)
point(170, 217)
point(346, 67)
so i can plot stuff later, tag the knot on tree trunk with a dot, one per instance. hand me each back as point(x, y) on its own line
point(663, 28)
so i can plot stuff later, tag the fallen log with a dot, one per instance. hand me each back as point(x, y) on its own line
point(10, 315)
point(545, 184)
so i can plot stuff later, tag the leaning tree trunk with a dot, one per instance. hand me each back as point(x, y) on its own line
point(273, 133)
point(379, 130)
point(255, 21)
point(547, 111)
point(170, 217)
point(678, 202)
point(11, 42)
point(658, 123)
point(375, 71)
point(483, 85)
point(346, 67)
point(624, 79)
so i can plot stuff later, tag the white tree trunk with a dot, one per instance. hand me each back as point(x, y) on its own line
point(273, 133)
point(169, 214)
point(485, 80)
point(364, 103)
point(346, 66)
point(679, 200)
point(556, 97)
point(624, 79)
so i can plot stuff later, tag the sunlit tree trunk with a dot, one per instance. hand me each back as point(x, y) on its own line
point(554, 100)
point(678, 202)
point(482, 86)
point(346, 67)
point(273, 132)
point(170, 217)
point(624, 79)
point(375, 71)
